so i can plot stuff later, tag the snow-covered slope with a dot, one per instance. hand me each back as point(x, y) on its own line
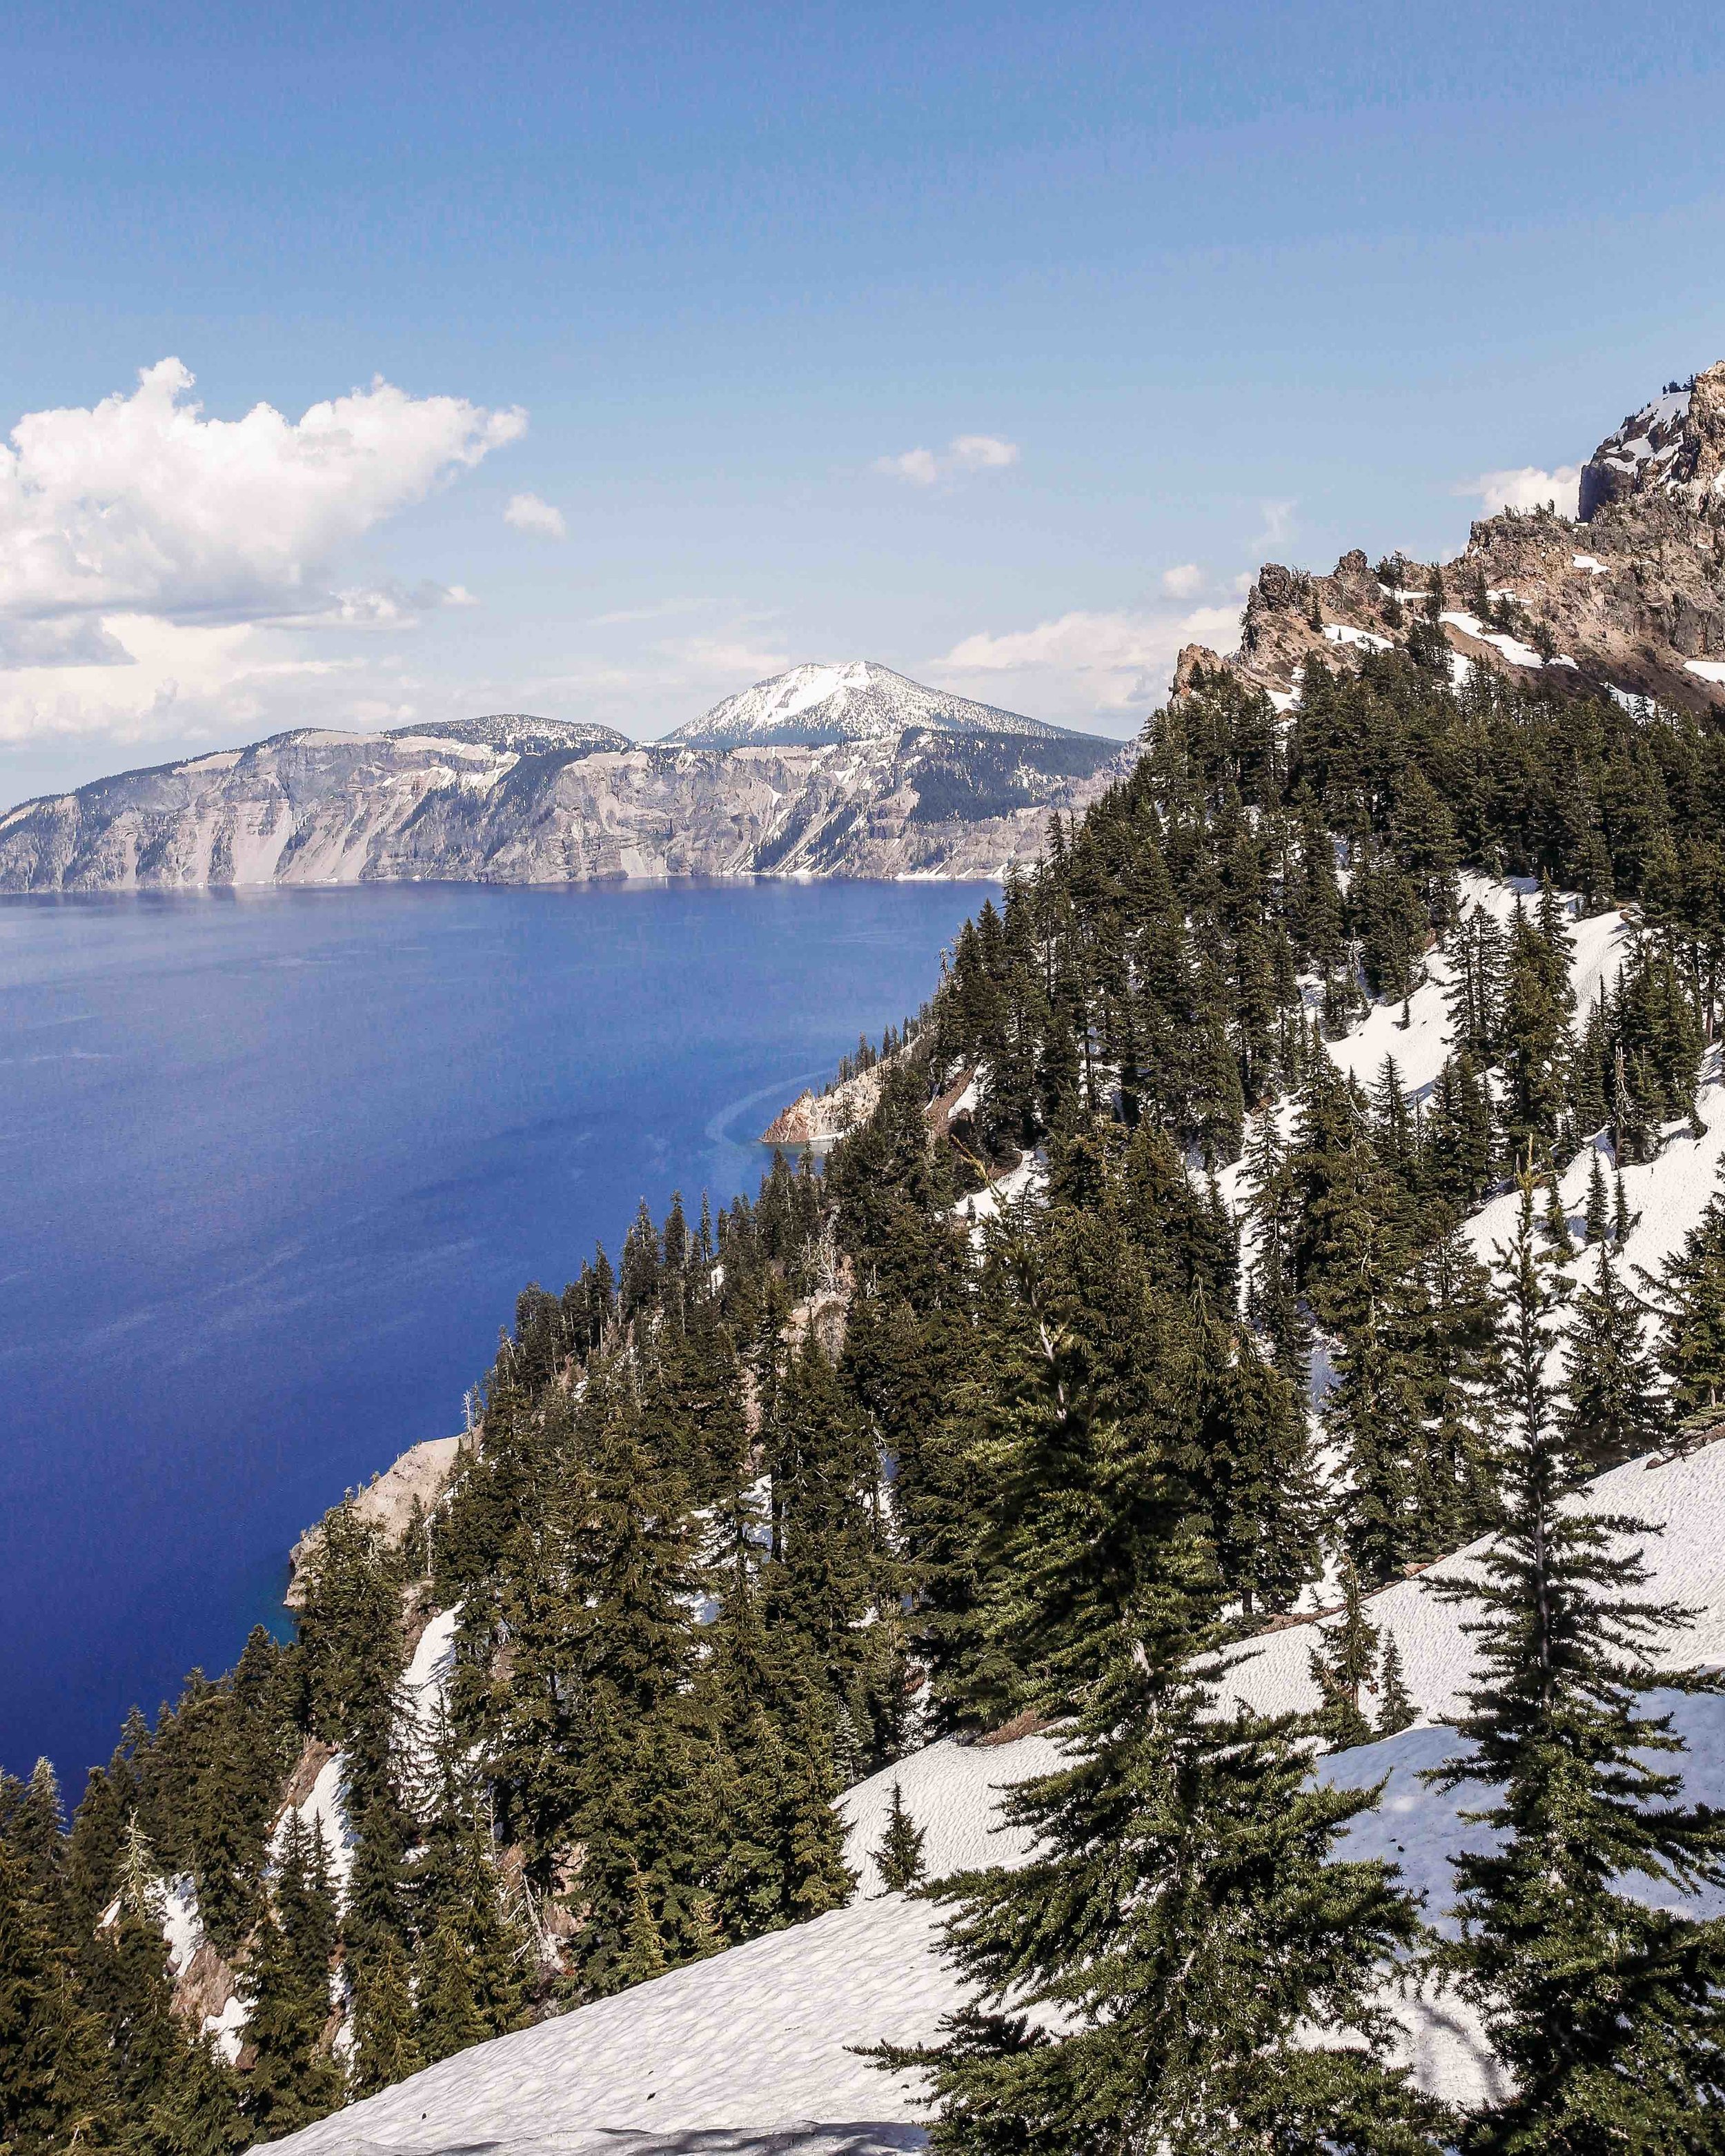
point(859, 701)
point(754, 2050)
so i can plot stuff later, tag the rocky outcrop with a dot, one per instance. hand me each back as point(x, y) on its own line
point(1673, 446)
point(419, 1478)
point(325, 807)
point(1631, 598)
point(820, 1118)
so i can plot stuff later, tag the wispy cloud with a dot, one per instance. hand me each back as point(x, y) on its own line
point(1277, 525)
point(1183, 581)
point(1087, 663)
point(963, 455)
point(528, 513)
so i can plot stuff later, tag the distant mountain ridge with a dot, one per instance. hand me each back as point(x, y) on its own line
point(919, 785)
point(859, 700)
point(521, 731)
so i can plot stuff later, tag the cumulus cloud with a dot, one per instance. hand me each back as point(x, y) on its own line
point(1083, 664)
point(964, 453)
point(526, 512)
point(160, 571)
point(142, 505)
point(1182, 581)
point(1527, 487)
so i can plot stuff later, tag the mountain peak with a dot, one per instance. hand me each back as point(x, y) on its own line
point(1675, 443)
point(857, 700)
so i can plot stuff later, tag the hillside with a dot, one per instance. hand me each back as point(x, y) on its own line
point(859, 701)
point(510, 799)
point(756, 2050)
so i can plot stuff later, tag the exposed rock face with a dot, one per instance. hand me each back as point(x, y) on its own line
point(819, 1118)
point(1674, 445)
point(422, 1473)
point(327, 808)
point(1631, 598)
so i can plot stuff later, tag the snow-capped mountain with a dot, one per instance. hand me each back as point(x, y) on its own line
point(858, 701)
point(1674, 443)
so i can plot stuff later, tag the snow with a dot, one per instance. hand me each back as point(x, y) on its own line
point(1513, 649)
point(322, 1807)
point(1710, 670)
point(1592, 567)
point(857, 701)
point(1339, 632)
point(753, 2050)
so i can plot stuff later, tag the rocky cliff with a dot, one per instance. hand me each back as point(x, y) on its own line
point(1629, 598)
point(527, 801)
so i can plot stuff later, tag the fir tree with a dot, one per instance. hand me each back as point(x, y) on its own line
point(385, 2046)
point(1606, 2013)
point(1344, 1664)
point(898, 1859)
point(1396, 1710)
point(1691, 1289)
point(1612, 1411)
point(1214, 1967)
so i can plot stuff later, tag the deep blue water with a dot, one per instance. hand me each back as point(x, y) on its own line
point(272, 1169)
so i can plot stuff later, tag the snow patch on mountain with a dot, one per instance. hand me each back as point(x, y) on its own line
point(857, 701)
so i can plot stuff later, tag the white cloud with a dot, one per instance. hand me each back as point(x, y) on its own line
point(982, 453)
point(160, 571)
point(142, 505)
point(1182, 581)
point(964, 453)
point(1094, 664)
point(526, 512)
point(1526, 488)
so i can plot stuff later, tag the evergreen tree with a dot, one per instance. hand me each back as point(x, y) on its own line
point(1344, 1664)
point(286, 1986)
point(898, 1859)
point(385, 2046)
point(1606, 2013)
point(1612, 1411)
point(1691, 1293)
point(1396, 1710)
point(1214, 1968)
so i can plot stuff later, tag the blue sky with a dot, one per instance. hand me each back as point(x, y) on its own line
point(1189, 289)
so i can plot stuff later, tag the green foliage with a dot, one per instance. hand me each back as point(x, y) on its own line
point(898, 1859)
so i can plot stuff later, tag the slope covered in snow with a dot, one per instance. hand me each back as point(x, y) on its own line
point(858, 701)
point(757, 2049)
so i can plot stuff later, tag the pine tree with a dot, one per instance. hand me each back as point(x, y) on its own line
point(1213, 1967)
point(1396, 1710)
point(1612, 1412)
point(643, 1956)
point(1691, 1290)
point(286, 1987)
point(1606, 2013)
point(1344, 1664)
point(898, 1859)
point(385, 2047)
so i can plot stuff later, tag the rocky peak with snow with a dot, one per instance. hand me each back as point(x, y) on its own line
point(817, 704)
point(1674, 443)
point(1628, 600)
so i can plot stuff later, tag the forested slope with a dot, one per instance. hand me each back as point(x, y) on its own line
point(793, 1492)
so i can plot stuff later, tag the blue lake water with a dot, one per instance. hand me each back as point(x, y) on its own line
point(273, 1167)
